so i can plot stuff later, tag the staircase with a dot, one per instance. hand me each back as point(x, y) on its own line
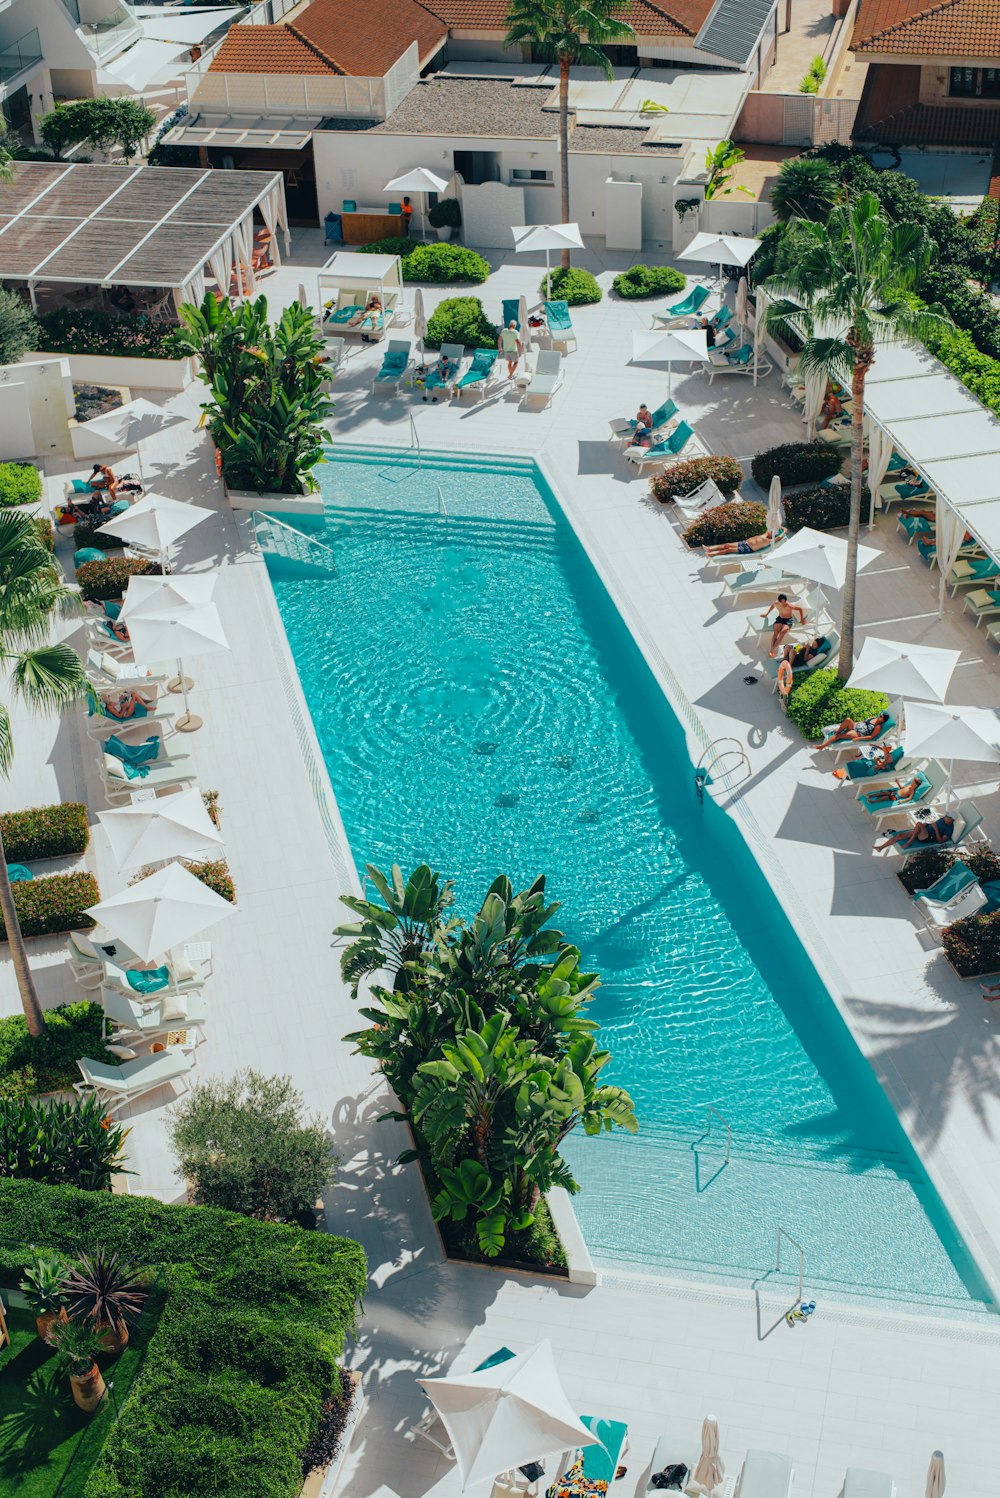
point(299, 554)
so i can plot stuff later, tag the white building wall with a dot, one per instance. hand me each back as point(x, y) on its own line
point(61, 47)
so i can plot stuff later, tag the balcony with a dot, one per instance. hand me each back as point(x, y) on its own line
point(19, 56)
point(106, 34)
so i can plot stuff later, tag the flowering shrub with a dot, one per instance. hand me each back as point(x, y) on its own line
point(972, 946)
point(56, 903)
point(86, 330)
point(45, 831)
point(215, 873)
point(733, 522)
point(20, 484)
point(684, 478)
point(109, 579)
point(821, 698)
point(922, 869)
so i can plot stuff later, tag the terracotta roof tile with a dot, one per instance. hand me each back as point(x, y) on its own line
point(268, 49)
point(949, 28)
point(329, 37)
point(648, 17)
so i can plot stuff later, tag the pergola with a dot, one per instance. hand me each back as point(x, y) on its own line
point(150, 226)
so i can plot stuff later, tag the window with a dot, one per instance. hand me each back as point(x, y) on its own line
point(523, 174)
point(974, 83)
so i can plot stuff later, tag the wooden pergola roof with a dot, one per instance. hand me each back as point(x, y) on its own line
point(120, 225)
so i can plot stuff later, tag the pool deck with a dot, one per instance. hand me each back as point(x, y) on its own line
point(854, 1387)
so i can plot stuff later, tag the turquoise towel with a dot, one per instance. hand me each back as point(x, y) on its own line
point(148, 982)
point(120, 506)
point(951, 884)
point(111, 608)
point(139, 710)
point(133, 754)
point(18, 874)
point(81, 486)
point(860, 769)
point(88, 554)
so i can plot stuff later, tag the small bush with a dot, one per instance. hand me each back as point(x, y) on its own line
point(20, 484)
point(923, 869)
point(71, 1030)
point(972, 946)
point(45, 831)
point(822, 509)
point(821, 698)
point(215, 873)
point(684, 478)
point(393, 244)
point(444, 262)
point(446, 214)
point(797, 463)
point(649, 280)
point(100, 581)
point(53, 904)
point(461, 319)
point(573, 285)
point(66, 1143)
point(733, 522)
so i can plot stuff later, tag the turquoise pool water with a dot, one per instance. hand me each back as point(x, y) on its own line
point(480, 705)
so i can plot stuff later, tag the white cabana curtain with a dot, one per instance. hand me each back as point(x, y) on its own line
point(814, 382)
point(276, 215)
point(244, 240)
point(950, 530)
point(221, 265)
point(760, 328)
point(879, 453)
point(193, 290)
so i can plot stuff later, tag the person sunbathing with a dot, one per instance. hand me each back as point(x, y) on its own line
point(123, 705)
point(940, 831)
point(801, 655)
point(832, 407)
point(894, 795)
point(740, 548)
point(369, 317)
point(858, 729)
point(784, 619)
point(101, 477)
point(442, 375)
point(875, 761)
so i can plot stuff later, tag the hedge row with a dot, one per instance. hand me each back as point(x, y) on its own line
point(649, 280)
point(797, 463)
point(20, 484)
point(436, 263)
point(100, 581)
point(821, 698)
point(685, 478)
point(44, 831)
point(826, 509)
point(737, 521)
point(48, 1064)
point(244, 1356)
point(87, 330)
point(54, 904)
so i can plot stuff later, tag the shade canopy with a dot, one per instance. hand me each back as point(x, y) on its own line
point(506, 1415)
point(161, 911)
point(130, 424)
point(156, 521)
point(417, 179)
point(173, 616)
point(176, 826)
point(818, 556)
point(904, 670)
point(534, 237)
point(721, 249)
point(950, 733)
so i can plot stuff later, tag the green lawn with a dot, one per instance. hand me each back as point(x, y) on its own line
point(47, 1445)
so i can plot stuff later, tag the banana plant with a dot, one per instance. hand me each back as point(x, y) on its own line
point(396, 933)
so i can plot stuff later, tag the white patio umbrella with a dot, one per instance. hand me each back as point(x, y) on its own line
point(935, 1477)
point(530, 238)
point(775, 507)
point(904, 670)
point(155, 522)
point(161, 911)
point(130, 424)
point(742, 295)
point(710, 1469)
point(176, 826)
point(419, 316)
point(664, 345)
point(174, 616)
point(819, 557)
point(720, 250)
point(951, 733)
point(759, 328)
point(419, 179)
point(506, 1415)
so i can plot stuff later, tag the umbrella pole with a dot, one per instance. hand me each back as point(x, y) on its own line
point(189, 721)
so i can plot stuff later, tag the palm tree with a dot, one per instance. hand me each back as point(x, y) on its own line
point(568, 32)
point(806, 187)
point(46, 677)
point(849, 291)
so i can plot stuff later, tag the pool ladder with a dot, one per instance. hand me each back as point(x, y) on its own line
point(723, 757)
point(416, 441)
point(711, 1116)
point(288, 541)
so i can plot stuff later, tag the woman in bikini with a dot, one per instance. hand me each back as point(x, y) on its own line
point(860, 729)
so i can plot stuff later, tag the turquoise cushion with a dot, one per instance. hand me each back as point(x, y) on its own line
point(111, 608)
point(18, 874)
point(133, 754)
point(148, 982)
point(120, 506)
point(87, 554)
point(80, 486)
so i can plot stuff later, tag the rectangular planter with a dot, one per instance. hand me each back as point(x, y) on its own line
point(275, 504)
point(114, 369)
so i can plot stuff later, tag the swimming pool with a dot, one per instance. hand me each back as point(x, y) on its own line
point(480, 705)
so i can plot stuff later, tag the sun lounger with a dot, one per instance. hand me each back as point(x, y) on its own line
point(101, 723)
point(968, 820)
point(669, 1453)
point(740, 363)
point(705, 497)
point(184, 976)
point(970, 549)
point(104, 671)
point(863, 776)
point(116, 1086)
point(983, 603)
point(860, 1483)
point(595, 1464)
point(622, 427)
point(479, 372)
point(662, 452)
point(765, 1474)
point(395, 362)
point(932, 782)
point(168, 1013)
point(764, 578)
point(435, 381)
point(825, 657)
point(88, 953)
point(118, 785)
point(851, 746)
point(547, 376)
point(954, 896)
point(721, 318)
point(913, 526)
point(560, 323)
point(968, 571)
point(690, 306)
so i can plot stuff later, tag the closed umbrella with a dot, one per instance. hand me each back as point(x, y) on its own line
point(506, 1415)
point(904, 670)
point(742, 294)
point(155, 522)
point(759, 328)
point(664, 345)
point(419, 316)
point(710, 1470)
point(819, 557)
point(530, 238)
point(935, 1477)
point(775, 507)
point(161, 911)
point(419, 179)
point(176, 826)
point(174, 616)
point(524, 326)
point(720, 250)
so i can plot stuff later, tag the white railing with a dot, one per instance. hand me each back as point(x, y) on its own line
point(416, 442)
point(273, 93)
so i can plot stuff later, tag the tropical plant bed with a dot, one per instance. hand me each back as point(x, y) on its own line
point(49, 1447)
point(96, 400)
point(326, 1452)
point(538, 1250)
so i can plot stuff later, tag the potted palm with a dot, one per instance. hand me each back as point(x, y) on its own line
point(43, 1289)
point(445, 216)
point(103, 1291)
point(78, 1346)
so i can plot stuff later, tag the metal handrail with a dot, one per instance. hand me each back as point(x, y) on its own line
point(802, 1258)
point(259, 515)
point(713, 756)
point(416, 440)
point(713, 1111)
point(442, 507)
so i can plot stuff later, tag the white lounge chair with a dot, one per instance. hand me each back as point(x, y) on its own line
point(934, 782)
point(101, 724)
point(547, 377)
point(117, 1086)
point(669, 1451)
point(968, 820)
point(939, 913)
point(705, 497)
point(185, 976)
point(89, 955)
point(765, 1474)
point(104, 671)
point(154, 1016)
point(860, 1483)
point(395, 363)
point(161, 773)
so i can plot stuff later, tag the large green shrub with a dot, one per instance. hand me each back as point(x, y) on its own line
point(446, 214)
point(824, 509)
point(18, 327)
point(244, 1355)
point(972, 946)
point(54, 904)
point(444, 262)
point(245, 1144)
point(797, 463)
point(64, 1142)
point(71, 1031)
point(821, 698)
point(684, 478)
point(571, 284)
point(20, 484)
point(100, 581)
point(977, 371)
point(649, 280)
point(737, 521)
point(923, 869)
point(393, 244)
point(971, 309)
point(88, 330)
point(460, 319)
point(45, 831)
